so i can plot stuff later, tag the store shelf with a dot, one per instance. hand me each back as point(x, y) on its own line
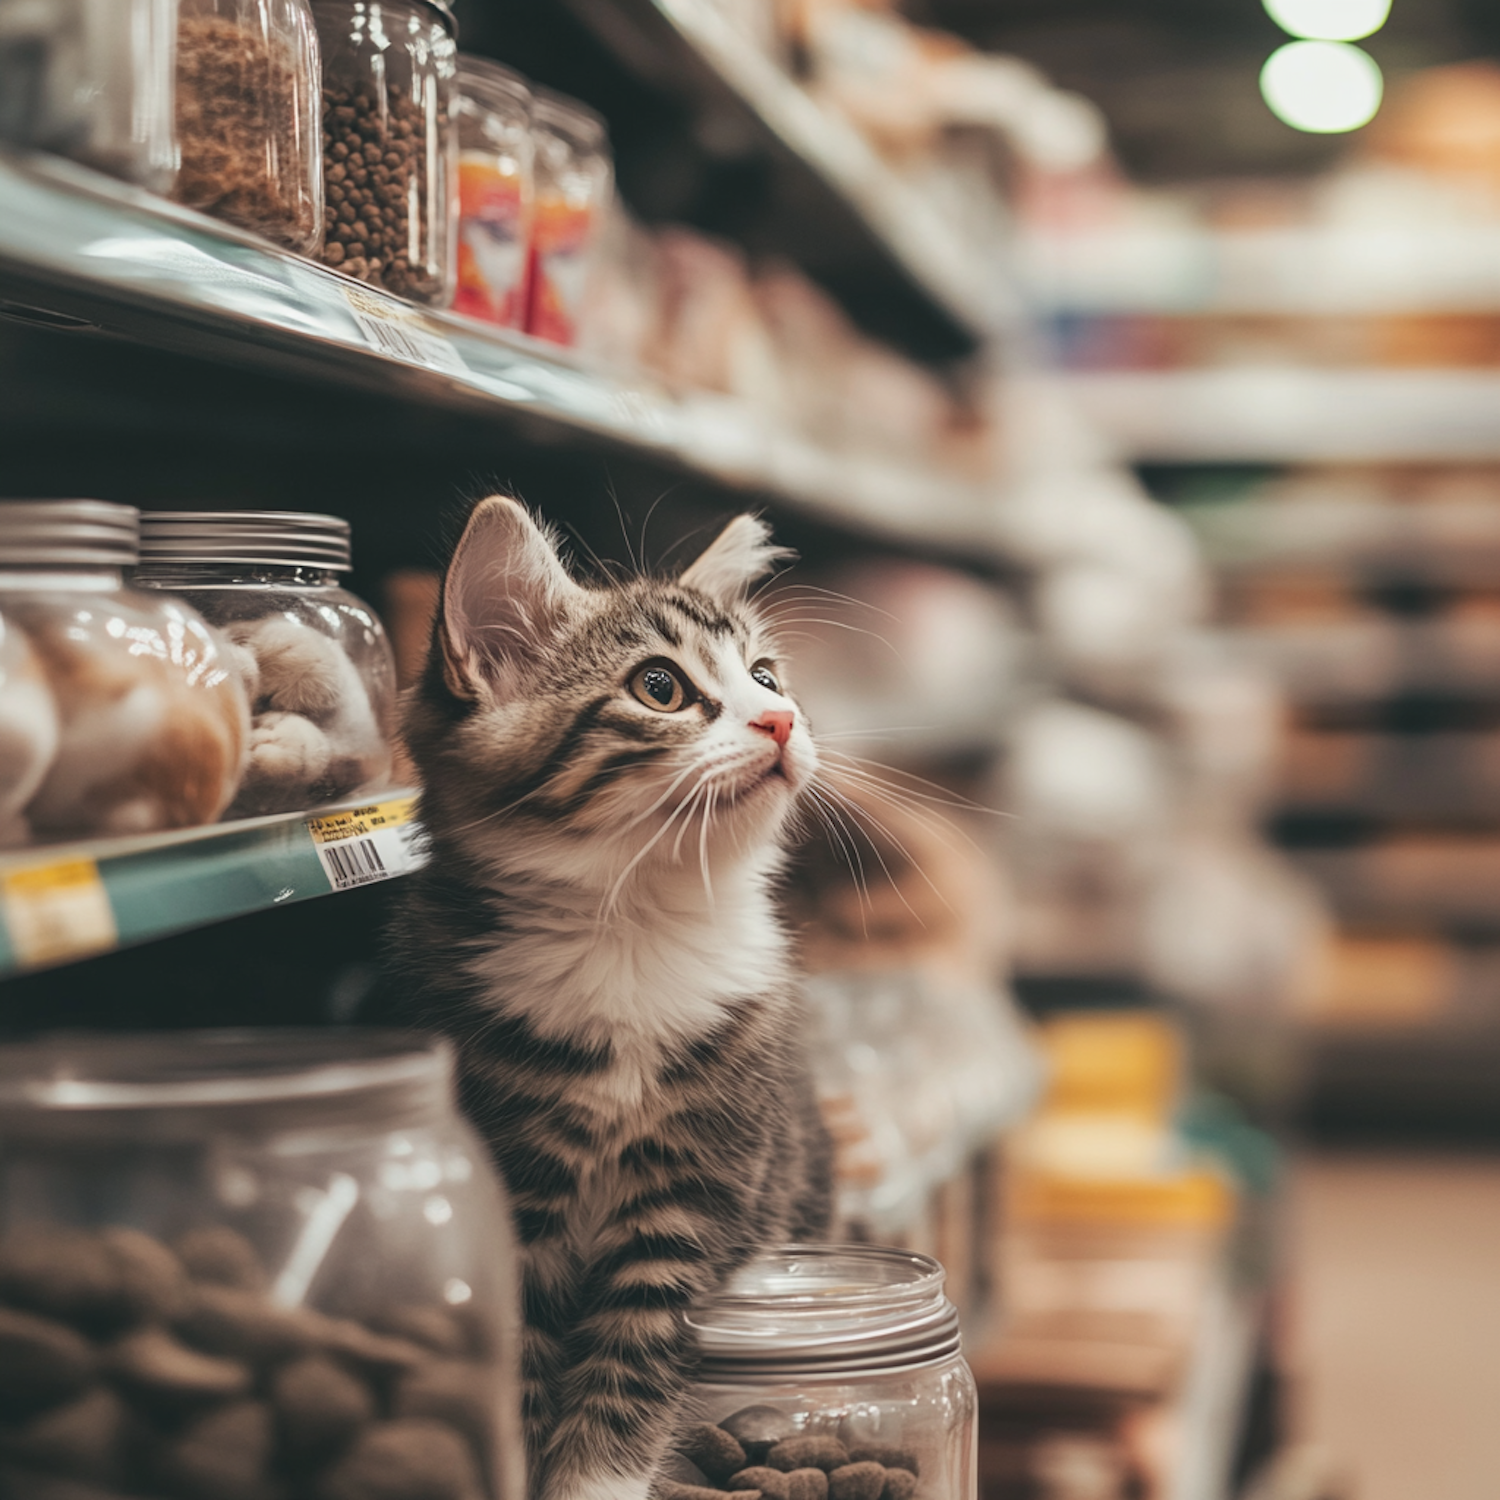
point(1291, 414)
point(80, 251)
point(72, 901)
point(823, 196)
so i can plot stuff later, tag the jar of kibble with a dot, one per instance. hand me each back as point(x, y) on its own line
point(494, 192)
point(247, 117)
point(120, 712)
point(829, 1372)
point(390, 144)
point(314, 659)
point(250, 1266)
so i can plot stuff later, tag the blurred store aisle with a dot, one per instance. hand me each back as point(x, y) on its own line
point(1395, 1322)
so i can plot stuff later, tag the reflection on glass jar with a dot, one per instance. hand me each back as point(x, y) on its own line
point(251, 1264)
point(247, 117)
point(314, 658)
point(844, 1359)
point(126, 715)
point(495, 192)
point(390, 145)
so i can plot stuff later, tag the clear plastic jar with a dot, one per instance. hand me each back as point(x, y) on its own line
point(574, 176)
point(92, 81)
point(494, 192)
point(843, 1358)
point(128, 716)
point(246, 1266)
point(247, 113)
point(390, 143)
point(315, 661)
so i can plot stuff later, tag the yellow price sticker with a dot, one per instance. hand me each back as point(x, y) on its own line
point(57, 911)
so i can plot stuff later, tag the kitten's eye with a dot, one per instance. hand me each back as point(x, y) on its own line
point(763, 674)
point(661, 688)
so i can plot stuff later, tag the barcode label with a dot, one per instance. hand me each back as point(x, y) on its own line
point(365, 844)
point(388, 331)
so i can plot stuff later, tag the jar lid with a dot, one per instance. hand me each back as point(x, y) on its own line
point(826, 1310)
point(68, 534)
point(484, 76)
point(271, 537)
point(582, 126)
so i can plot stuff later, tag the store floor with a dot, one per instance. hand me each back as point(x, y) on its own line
point(1393, 1323)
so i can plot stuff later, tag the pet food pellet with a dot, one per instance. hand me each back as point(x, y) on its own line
point(900, 1484)
point(679, 1470)
point(155, 1368)
point(889, 1454)
point(153, 1284)
point(856, 1481)
point(83, 1440)
point(452, 1391)
point(41, 1362)
point(319, 1407)
point(222, 1256)
point(825, 1453)
point(239, 1325)
point(771, 1483)
point(434, 1328)
point(224, 1455)
point(372, 1352)
point(807, 1484)
point(63, 1273)
point(404, 1460)
point(713, 1450)
point(757, 1429)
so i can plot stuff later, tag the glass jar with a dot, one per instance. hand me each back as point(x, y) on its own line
point(494, 192)
point(92, 80)
point(247, 115)
point(148, 724)
point(315, 661)
point(574, 176)
point(390, 143)
point(834, 1357)
point(237, 1265)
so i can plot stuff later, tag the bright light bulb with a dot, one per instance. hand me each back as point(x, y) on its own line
point(1329, 20)
point(1322, 87)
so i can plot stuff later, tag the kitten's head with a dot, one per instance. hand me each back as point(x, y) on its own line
point(587, 730)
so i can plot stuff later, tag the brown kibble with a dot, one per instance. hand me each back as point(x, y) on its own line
point(435, 1328)
point(858, 1481)
point(62, 1273)
point(669, 1489)
point(454, 1391)
point(41, 1362)
point(757, 1429)
point(241, 1325)
point(153, 1282)
point(153, 1367)
point(225, 1455)
point(713, 1450)
point(771, 1483)
point(807, 1484)
point(372, 1352)
point(676, 1469)
point(319, 1407)
point(405, 1460)
point(221, 1255)
point(86, 1439)
point(900, 1484)
point(892, 1455)
point(333, 253)
point(825, 1453)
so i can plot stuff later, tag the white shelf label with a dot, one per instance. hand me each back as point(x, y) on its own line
point(57, 911)
point(364, 844)
point(393, 330)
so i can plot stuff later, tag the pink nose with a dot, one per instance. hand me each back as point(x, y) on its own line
point(776, 722)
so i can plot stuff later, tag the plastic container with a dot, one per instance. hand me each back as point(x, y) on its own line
point(495, 192)
point(92, 80)
point(853, 1349)
point(247, 115)
point(574, 176)
point(390, 144)
point(314, 659)
point(251, 1264)
point(126, 715)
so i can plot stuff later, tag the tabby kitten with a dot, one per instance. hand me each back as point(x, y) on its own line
point(608, 776)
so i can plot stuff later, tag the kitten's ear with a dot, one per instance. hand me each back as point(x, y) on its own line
point(740, 554)
point(505, 594)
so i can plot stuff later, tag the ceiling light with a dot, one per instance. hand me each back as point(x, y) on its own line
point(1323, 87)
point(1329, 20)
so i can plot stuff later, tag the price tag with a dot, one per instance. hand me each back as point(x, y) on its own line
point(57, 911)
point(391, 329)
point(364, 844)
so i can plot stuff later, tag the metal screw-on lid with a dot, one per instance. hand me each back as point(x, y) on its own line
point(803, 1311)
point(67, 534)
point(267, 537)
